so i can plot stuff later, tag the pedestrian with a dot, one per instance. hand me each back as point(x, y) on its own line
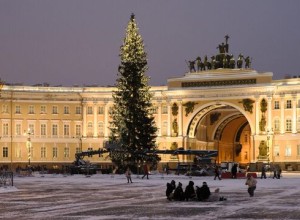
point(170, 187)
point(203, 192)
point(128, 175)
point(178, 193)
point(263, 172)
point(189, 192)
point(251, 182)
point(167, 168)
point(234, 171)
point(146, 172)
point(217, 172)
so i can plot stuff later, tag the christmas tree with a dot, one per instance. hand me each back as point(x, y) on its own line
point(132, 125)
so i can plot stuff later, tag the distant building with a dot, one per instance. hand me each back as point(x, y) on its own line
point(244, 114)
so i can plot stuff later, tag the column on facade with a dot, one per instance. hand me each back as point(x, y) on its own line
point(180, 118)
point(169, 118)
point(106, 119)
point(294, 120)
point(95, 119)
point(269, 126)
point(84, 119)
point(257, 110)
point(159, 119)
point(282, 123)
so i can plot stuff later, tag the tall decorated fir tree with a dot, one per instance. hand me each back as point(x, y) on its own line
point(132, 125)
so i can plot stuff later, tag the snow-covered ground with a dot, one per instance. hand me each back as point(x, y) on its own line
point(111, 197)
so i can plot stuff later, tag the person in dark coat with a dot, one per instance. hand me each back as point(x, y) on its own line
point(189, 192)
point(263, 172)
point(203, 192)
point(234, 171)
point(170, 187)
point(178, 193)
point(217, 173)
point(146, 172)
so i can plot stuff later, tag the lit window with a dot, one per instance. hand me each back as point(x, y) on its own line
point(288, 151)
point(276, 151)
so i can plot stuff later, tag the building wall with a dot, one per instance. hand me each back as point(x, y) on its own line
point(25, 109)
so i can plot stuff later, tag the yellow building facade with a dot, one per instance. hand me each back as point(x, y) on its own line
point(245, 115)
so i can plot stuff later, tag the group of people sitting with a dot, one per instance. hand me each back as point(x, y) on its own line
point(202, 193)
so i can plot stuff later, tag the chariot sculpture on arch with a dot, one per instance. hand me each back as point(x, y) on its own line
point(223, 59)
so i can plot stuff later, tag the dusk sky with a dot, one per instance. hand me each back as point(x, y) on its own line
point(77, 42)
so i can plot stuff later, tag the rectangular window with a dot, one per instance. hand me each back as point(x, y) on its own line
point(78, 110)
point(31, 128)
point(5, 152)
point(66, 110)
point(66, 130)
point(165, 109)
point(43, 129)
point(66, 152)
point(288, 103)
point(54, 130)
point(18, 129)
point(31, 109)
point(100, 110)
point(288, 151)
point(154, 110)
point(276, 105)
point(288, 125)
point(5, 129)
point(54, 110)
point(18, 109)
point(43, 152)
point(78, 130)
point(89, 110)
point(43, 109)
point(77, 150)
point(54, 152)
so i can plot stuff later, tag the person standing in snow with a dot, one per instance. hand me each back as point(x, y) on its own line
point(146, 172)
point(251, 182)
point(128, 175)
